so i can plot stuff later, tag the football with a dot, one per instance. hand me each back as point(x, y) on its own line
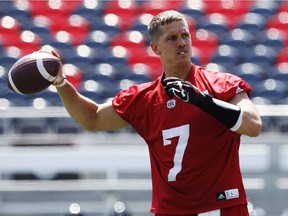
point(33, 72)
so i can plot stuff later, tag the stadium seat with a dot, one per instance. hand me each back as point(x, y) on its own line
point(206, 43)
point(28, 43)
point(272, 38)
point(193, 8)
point(42, 32)
point(52, 9)
point(7, 60)
point(154, 7)
point(252, 22)
point(226, 56)
point(22, 16)
point(282, 56)
point(95, 90)
point(65, 50)
point(102, 73)
point(76, 26)
point(98, 40)
point(280, 72)
point(264, 8)
point(109, 24)
point(92, 14)
point(147, 57)
point(129, 39)
point(141, 23)
point(10, 30)
point(278, 21)
point(215, 23)
point(238, 38)
point(74, 74)
point(126, 11)
point(251, 73)
point(232, 10)
point(261, 55)
point(215, 67)
point(137, 77)
point(283, 6)
point(272, 89)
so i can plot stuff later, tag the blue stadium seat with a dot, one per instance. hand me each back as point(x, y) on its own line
point(271, 89)
point(96, 90)
point(215, 23)
point(252, 73)
point(7, 60)
point(265, 8)
point(239, 39)
point(272, 38)
point(280, 72)
point(65, 50)
point(193, 9)
point(102, 72)
point(92, 14)
point(98, 38)
point(227, 56)
point(252, 22)
point(42, 31)
point(261, 54)
point(137, 78)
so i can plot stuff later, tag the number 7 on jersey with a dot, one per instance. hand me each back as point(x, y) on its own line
point(183, 133)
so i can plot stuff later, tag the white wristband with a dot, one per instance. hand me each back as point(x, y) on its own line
point(62, 83)
point(238, 123)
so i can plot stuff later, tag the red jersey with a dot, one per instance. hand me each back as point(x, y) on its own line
point(194, 158)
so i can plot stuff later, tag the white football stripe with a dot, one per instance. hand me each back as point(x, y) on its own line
point(43, 71)
point(12, 84)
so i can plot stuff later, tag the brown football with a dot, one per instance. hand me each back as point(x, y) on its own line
point(33, 72)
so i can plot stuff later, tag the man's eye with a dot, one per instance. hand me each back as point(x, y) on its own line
point(172, 38)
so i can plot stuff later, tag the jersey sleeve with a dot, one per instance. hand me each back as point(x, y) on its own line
point(123, 102)
point(225, 86)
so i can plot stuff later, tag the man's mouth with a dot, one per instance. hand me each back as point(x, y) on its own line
point(182, 53)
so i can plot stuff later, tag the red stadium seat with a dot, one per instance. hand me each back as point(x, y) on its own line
point(154, 7)
point(283, 6)
point(278, 21)
point(75, 26)
point(9, 31)
point(126, 11)
point(28, 43)
point(231, 9)
point(129, 40)
point(45, 7)
point(282, 56)
point(147, 58)
point(206, 42)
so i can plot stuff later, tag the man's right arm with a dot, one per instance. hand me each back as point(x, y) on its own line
point(87, 113)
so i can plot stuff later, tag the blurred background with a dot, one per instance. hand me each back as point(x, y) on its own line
point(49, 166)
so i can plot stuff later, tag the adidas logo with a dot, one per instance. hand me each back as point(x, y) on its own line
point(221, 196)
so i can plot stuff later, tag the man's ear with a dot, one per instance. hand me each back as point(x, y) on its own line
point(154, 47)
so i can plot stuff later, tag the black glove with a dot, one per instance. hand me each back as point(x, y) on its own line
point(228, 114)
point(182, 89)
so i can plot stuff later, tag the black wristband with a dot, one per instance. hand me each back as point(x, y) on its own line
point(228, 114)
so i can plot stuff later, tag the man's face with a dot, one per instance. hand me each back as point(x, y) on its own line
point(174, 45)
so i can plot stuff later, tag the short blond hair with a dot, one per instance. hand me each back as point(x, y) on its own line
point(163, 18)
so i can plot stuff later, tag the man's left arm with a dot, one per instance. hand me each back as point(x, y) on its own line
point(251, 121)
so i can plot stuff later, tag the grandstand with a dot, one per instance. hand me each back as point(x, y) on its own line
point(48, 162)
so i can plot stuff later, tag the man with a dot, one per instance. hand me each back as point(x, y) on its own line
point(191, 120)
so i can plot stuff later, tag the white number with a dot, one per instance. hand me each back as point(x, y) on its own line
point(183, 133)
